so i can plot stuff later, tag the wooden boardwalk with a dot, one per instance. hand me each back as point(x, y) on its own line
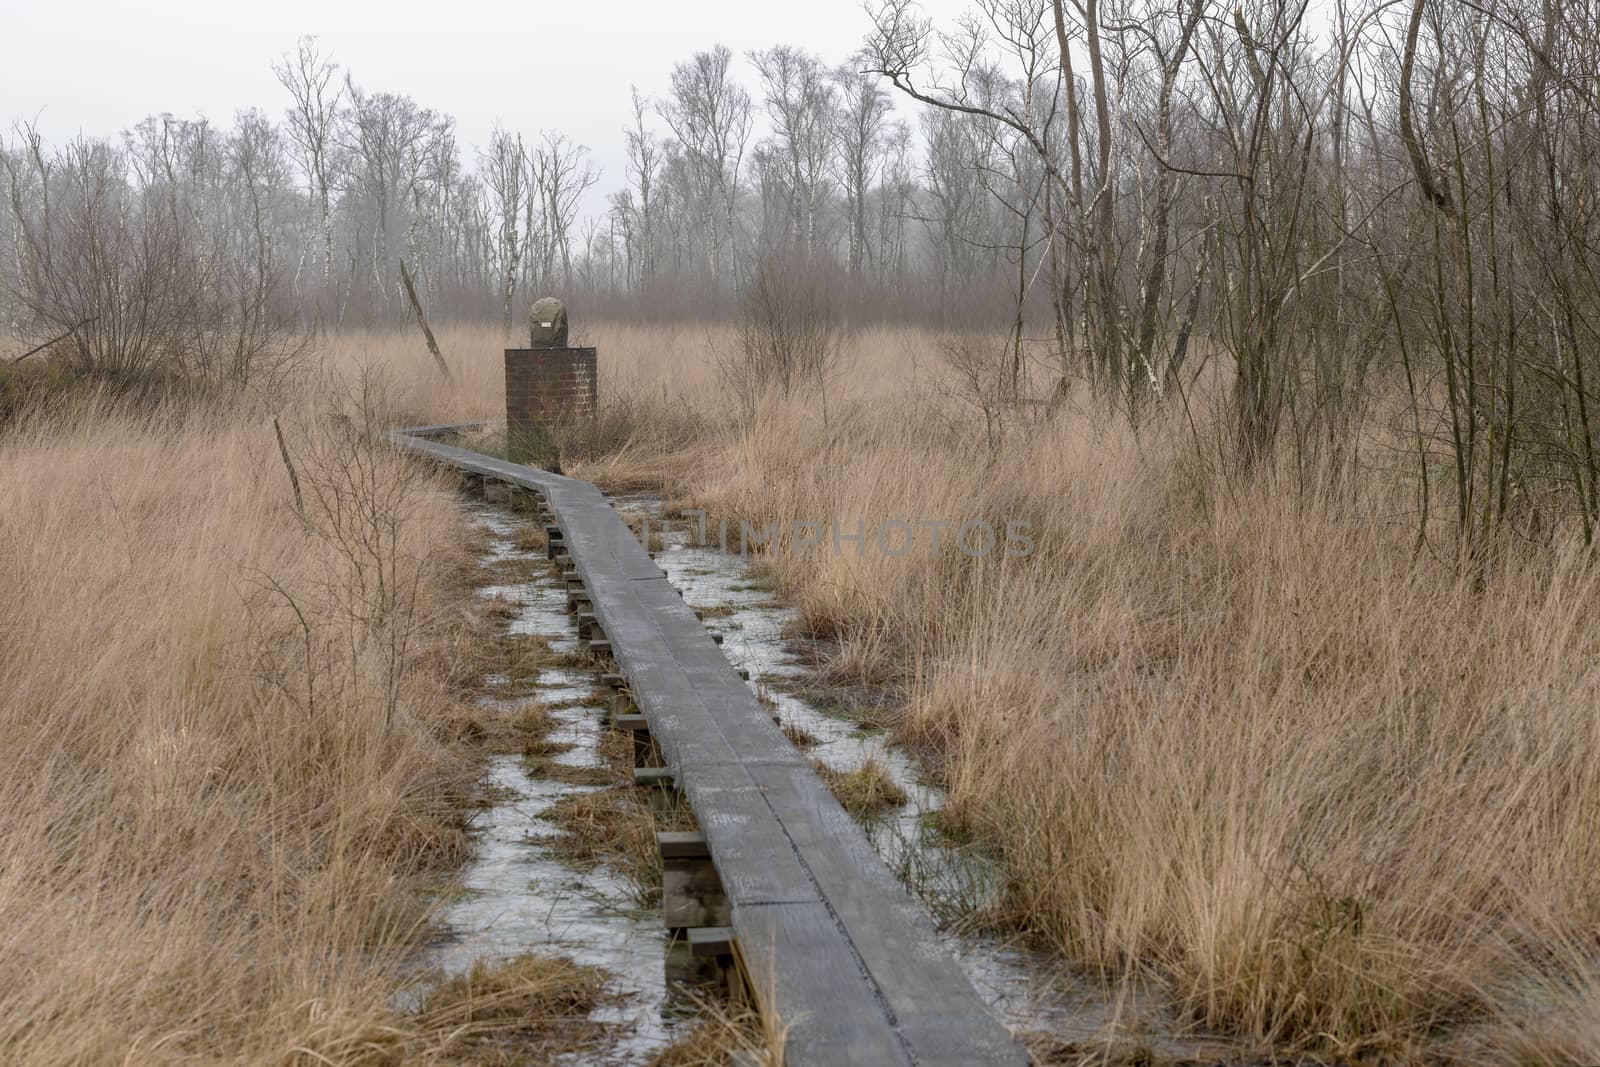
point(827, 937)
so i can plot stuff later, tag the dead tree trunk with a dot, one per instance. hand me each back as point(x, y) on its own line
point(422, 321)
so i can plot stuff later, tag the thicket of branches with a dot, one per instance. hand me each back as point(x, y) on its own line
point(1331, 207)
point(119, 255)
point(1367, 195)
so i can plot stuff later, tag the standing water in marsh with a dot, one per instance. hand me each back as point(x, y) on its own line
point(519, 894)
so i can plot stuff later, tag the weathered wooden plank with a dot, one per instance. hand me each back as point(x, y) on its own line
point(752, 852)
point(691, 893)
point(693, 729)
point(654, 777)
point(754, 738)
point(892, 935)
point(803, 968)
point(682, 844)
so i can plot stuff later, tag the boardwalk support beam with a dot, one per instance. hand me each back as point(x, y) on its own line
point(645, 751)
point(691, 891)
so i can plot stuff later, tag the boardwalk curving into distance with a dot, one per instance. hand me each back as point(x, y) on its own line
point(827, 937)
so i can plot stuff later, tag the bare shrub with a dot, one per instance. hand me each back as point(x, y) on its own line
point(789, 339)
point(978, 380)
point(150, 275)
point(27, 387)
point(221, 793)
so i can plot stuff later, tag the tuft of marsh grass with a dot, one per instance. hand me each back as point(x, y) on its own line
point(950, 827)
point(516, 570)
point(1116, 1051)
point(532, 724)
point(530, 537)
point(544, 767)
point(866, 792)
point(522, 657)
point(656, 541)
point(616, 827)
point(724, 1030)
point(498, 610)
point(799, 736)
point(526, 1008)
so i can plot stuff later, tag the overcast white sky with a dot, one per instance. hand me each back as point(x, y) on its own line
point(98, 66)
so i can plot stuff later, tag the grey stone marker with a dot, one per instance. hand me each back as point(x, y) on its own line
point(547, 324)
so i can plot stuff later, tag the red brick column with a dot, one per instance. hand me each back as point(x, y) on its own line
point(544, 385)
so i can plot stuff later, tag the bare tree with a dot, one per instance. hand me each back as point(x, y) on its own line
point(387, 137)
point(644, 163)
point(800, 102)
point(560, 175)
point(155, 258)
point(315, 91)
point(261, 345)
point(861, 118)
point(505, 175)
point(1170, 50)
point(709, 113)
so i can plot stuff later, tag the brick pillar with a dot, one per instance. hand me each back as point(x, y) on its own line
point(546, 385)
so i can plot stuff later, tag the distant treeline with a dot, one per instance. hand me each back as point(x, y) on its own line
point(1332, 204)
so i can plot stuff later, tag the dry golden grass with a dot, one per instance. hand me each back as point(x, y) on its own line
point(525, 1009)
point(225, 765)
point(610, 826)
point(865, 792)
point(1221, 731)
point(616, 827)
point(799, 736)
point(723, 1030)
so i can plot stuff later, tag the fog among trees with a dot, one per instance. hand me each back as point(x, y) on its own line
point(1327, 207)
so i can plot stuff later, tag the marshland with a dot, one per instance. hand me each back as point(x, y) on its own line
point(1273, 328)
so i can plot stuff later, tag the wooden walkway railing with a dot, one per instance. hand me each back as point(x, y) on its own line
point(827, 937)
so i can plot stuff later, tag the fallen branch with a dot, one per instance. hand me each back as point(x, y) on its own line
point(288, 464)
point(422, 321)
point(61, 337)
